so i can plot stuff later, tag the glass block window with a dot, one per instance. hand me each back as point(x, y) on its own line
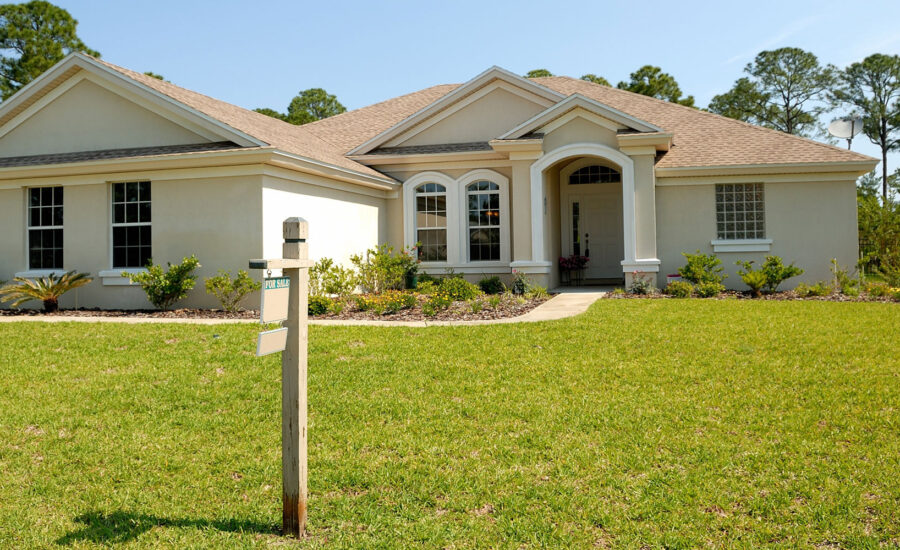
point(484, 221)
point(45, 228)
point(131, 224)
point(431, 222)
point(740, 211)
point(594, 174)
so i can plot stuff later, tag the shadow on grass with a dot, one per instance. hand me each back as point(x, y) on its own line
point(119, 527)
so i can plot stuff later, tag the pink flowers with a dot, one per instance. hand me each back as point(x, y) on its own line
point(573, 262)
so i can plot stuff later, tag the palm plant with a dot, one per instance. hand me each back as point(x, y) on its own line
point(46, 289)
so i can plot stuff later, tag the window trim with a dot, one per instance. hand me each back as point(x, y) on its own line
point(111, 225)
point(746, 243)
point(34, 272)
point(483, 174)
point(457, 240)
point(444, 193)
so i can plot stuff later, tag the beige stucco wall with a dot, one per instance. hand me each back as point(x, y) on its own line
point(341, 222)
point(218, 219)
point(12, 229)
point(809, 223)
point(89, 117)
point(580, 130)
point(484, 119)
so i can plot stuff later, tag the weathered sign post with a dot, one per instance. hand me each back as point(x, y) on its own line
point(291, 340)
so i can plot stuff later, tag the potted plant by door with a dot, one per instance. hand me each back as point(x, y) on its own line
point(571, 269)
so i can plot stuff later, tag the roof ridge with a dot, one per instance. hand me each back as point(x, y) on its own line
point(371, 105)
point(695, 110)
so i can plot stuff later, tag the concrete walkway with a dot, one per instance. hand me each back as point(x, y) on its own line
point(568, 303)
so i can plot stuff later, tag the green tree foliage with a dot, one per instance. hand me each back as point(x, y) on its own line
point(786, 90)
point(155, 75)
point(308, 106)
point(537, 73)
point(33, 37)
point(879, 231)
point(590, 77)
point(231, 292)
point(872, 87)
point(651, 81)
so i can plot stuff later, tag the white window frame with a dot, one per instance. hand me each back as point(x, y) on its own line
point(755, 244)
point(40, 272)
point(502, 182)
point(457, 217)
point(446, 228)
point(113, 276)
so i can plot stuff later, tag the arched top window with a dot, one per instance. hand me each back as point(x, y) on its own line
point(431, 222)
point(430, 188)
point(594, 174)
point(483, 201)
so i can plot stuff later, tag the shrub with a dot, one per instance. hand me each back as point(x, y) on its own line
point(640, 283)
point(458, 288)
point(895, 295)
point(46, 289)
point(426, 278)
point(328, 278)
point(336, 306)
point(702, 268)
point(878, 290)
point(426, 287)
point(520, 283)
point(164, 288)
point(679, 289)
point(494, 301)
point(777, 273)
point(492, 285)
point(438, 301)
point(475, 305)
point(843, 282)
point(231, 292)
point(390, 301)
point(710, 289)
point(804, 290)
point(318, 305)
point(537, 292)
point(380, 269)
point(755, 279)
point(618, 292)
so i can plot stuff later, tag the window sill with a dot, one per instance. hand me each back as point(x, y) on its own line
point(113, 277)
point(745, 245)
point(38, 273)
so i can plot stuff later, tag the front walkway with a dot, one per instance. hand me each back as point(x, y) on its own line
point(568, 302)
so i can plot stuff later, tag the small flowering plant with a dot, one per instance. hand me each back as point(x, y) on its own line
point(574, 262)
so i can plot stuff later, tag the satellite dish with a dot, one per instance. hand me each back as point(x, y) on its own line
point(846, 128)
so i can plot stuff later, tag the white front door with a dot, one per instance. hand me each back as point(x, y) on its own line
point(595, 230)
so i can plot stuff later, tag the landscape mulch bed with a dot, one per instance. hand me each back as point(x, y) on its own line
point(777, 296)
point(459, 311)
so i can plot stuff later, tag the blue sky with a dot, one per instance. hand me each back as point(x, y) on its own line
point(261, 54)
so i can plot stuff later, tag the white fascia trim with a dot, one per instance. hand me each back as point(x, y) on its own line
point(647, 265)
point(590, 105)
point(325, 168)
point(450, 98)
point(583, 149)
point(113, 277)
point(857, 167)
point(743, 245)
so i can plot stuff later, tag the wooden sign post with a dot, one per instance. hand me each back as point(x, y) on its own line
point(295, 265)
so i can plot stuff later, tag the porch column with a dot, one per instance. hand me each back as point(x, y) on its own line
point(522, 155)
point(645, 259)
point(521, 210)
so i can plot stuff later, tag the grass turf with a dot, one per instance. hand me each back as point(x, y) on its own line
point(661, 423)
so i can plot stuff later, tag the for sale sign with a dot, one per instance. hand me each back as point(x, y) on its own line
point(275, 294)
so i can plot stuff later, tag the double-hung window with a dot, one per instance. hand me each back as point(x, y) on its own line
point(431, 222)
point(483, 199)
point(740, 211)
point(45, 228)
point(131, 231)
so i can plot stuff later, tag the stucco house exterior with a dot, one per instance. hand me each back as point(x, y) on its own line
point(102, 168)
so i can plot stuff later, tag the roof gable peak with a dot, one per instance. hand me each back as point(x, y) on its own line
point(479, 81)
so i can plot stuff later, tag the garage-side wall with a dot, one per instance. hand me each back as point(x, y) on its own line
point(341, 222)
point(809, 223)
point(217, 219)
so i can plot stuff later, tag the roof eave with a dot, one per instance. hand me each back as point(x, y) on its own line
point(857, 168)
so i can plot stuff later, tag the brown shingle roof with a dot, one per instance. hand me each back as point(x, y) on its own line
point(701, 138)
point(107, 154)
point(287, 137)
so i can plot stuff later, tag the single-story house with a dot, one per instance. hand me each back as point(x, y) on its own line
point(103, 168)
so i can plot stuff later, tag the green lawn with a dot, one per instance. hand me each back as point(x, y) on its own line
point(660, 423)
